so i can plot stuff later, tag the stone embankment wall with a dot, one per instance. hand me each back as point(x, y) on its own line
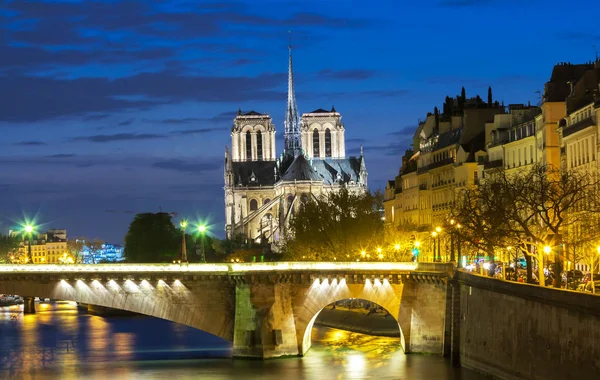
point(521, 331)
point(358, 321)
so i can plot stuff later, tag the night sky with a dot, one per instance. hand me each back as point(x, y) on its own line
point(117, 107)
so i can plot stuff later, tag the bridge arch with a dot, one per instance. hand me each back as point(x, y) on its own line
point(325, 292)
point(208, 310)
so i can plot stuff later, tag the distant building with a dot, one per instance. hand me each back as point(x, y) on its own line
point(111, 253)
point(46, 248)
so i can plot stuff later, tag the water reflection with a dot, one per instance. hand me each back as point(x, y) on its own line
point(59, 342)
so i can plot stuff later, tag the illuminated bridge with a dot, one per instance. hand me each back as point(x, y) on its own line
point(265, 309)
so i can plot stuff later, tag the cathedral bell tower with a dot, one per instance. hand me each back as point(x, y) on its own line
point(252, 137)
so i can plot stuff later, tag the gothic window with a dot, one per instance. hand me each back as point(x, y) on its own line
point(315, 143)
point(266, 201)
point(303, 201)
point(327, 143)
point(248, 146)
point(253, 205)
point(259, 147)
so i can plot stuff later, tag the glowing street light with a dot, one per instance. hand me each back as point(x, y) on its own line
point(378, 249)
point(547, 249)
point(202, 231)
point(397, 247)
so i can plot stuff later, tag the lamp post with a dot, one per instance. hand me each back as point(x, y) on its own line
point(452, 257)
point(202, 230)
point(592, 271)
point(29, 231)
point(541, 277)
point(183, 225)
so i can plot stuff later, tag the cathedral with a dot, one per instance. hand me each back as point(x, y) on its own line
point(263, 190)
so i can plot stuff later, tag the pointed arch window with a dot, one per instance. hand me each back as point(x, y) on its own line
point(248, 146)
point(316, 143)
point(327, 143)
point(259, 146)
point(253, 205)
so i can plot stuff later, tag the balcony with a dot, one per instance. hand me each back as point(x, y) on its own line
point(444, 162)
point(492, 164)
point(579, 126)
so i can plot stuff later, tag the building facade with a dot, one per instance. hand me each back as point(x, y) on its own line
point(263, 189)
point(46, 248)
point(464, 145)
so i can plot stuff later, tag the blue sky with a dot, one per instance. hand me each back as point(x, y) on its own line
point(109, 108)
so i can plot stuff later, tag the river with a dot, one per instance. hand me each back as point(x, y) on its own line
point(59, 342)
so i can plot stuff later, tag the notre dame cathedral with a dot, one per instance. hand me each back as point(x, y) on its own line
point(264, 190)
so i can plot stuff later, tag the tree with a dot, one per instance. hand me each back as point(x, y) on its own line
point(530, 209)
point(338, 225)
point(152, 238)
point(75, 247)
point(8, 246)
point(94, 247)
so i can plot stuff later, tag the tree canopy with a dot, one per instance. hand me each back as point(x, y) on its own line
point(8, 245)
point(338, 225)
point(152, 238)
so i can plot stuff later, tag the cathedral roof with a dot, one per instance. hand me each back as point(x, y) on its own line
point(253, 113)
point(253, 173)
point(321, 110)
point(336, 170)
point(301, 170)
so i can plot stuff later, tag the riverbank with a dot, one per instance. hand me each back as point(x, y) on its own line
point(359, 321)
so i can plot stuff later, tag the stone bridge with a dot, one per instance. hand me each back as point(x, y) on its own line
point(266, 309)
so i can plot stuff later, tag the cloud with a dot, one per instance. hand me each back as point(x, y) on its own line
point(356, 74)
point(126, 123)
point(385, 93)
point(30, 143)
point(198, 131)
point(61, 155)
point(118, 137)
point(356, 141)
point(390, 149)
point(185, 120)
point(408, 130)
point(35, 98)
point(187, 167)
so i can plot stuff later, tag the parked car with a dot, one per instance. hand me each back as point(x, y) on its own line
point(587, 287)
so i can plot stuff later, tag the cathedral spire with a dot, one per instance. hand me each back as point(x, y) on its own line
point(292, 137)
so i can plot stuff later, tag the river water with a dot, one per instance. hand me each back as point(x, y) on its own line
point(59, 342)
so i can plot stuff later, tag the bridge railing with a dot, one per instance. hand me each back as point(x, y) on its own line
point(223, 267)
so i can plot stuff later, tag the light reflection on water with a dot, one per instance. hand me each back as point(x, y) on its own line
point(59, 342)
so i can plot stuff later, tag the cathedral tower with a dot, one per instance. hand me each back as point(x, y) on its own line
point(292, 137)
point(323, 134)
point(252, 137)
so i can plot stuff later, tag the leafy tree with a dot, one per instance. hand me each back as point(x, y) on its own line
point(152, 238)
point(8, 246)
point(336, 226)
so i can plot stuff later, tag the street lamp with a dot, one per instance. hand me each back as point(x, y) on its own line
point(28, 231)
point(437, 234)
point(202, 230)
point(183, 225)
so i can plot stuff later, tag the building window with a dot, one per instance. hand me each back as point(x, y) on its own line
point(266, 201)
point(327, 143)
point(259, 148)
point(248, 146)
point(253, 205)
point(315, 143)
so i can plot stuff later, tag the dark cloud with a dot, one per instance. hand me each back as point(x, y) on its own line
point(61, 155)
point(30, 143)
point(119, 137)
point(198, 131)
point(126, 122)
point(385, 93)
point(185, 120)
point(35, 98)
point(96, 116)
point(187, 167)
point(408, 130)
point(356, 141)
point(356, 74)
point(390, 149)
